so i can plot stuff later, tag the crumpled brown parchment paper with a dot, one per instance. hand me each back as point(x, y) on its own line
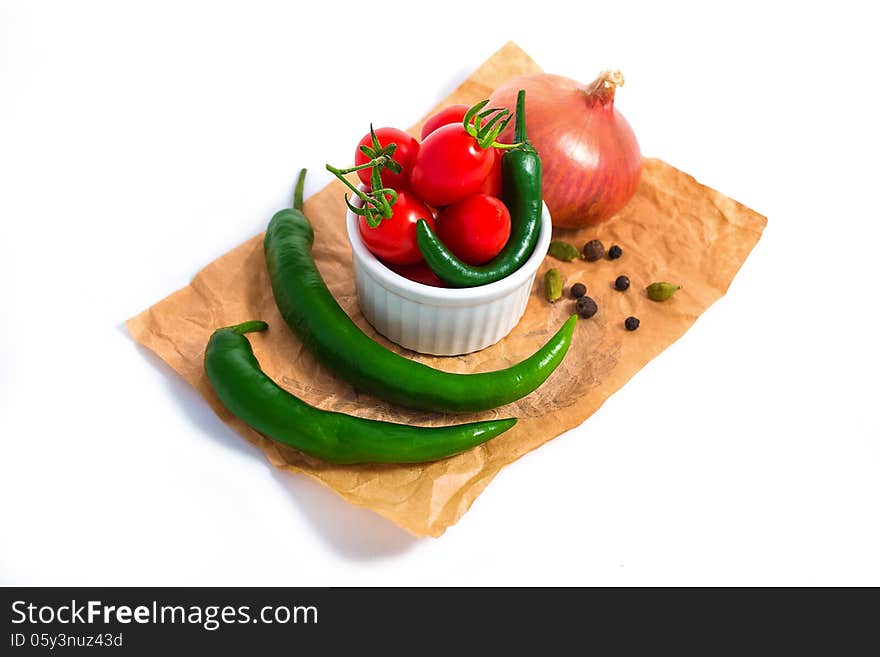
point(673, 229)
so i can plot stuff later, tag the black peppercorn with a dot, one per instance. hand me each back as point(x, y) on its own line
point(578, 290)
point(614, 252)
point(586, 307)
point(631, 323)
point(621, 283)
point(593, 251)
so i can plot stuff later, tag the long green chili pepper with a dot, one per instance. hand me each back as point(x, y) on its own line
point(255, 398)
point(521, 172)
point(323, 327)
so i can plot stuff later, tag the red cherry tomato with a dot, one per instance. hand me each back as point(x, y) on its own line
point(407, 147)
point(451, 114)
point(394, 239)
point(419, 272)
point(449, 166)
point(475, 229)
point(493, 185)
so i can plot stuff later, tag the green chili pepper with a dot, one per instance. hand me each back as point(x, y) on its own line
point(521, 172)
point(323, 327)
point(253, 397)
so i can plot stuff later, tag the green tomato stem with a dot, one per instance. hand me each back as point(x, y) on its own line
point(341, 175)
point(378, 161)
point(487, 133)
point(374, 202)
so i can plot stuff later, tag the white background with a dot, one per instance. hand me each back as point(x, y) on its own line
point(139, 141)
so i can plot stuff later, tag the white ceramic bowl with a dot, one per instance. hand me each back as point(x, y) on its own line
point(438, 320)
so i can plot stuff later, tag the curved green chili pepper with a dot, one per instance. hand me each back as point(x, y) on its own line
point(255, 398)
point(323, 327)
point(521, 171)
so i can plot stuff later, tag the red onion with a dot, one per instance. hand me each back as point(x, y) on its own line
point(590, 156)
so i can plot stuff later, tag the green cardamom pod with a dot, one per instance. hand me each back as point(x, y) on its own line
point(563, 251)
point(553, 285)
point(661, 291)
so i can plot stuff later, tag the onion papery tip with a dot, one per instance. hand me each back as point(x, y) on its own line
point(603, 87)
